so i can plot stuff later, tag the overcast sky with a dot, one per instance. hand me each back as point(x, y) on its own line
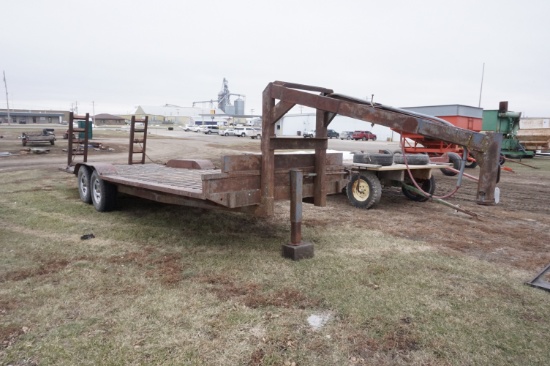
point(124, 53)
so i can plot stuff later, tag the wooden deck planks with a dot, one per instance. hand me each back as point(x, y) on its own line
point(185, 182)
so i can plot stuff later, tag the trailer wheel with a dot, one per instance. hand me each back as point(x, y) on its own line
point(412, 159)
point(471, 164)
point(378, 159)
point(428, 185)
point(364, 190)
point(455, 159)
point(103, 193)
point(84, 184)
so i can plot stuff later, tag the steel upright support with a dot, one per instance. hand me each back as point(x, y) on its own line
point(296, 249)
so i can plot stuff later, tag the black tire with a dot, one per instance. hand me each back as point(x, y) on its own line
point(378, 159)
point(364, 139)
point(243, 134)
point(374, 138)
point(455, 159)
point(471, 164)
point(364, 190)
point(386, 152)
point(226, 134)
point(52, 142)
point(103, 193)
point(208, 132)
point(428, 185)
point(397, 152)
point(412, 159)
point(84, 188)
point(259, 137)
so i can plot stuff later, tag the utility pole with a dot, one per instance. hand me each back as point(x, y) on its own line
point(481, 89)
point(7, 101)
point(93, 112)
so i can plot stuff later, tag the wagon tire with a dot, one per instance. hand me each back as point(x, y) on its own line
point(428, 186)
point(471, 164)
point(455, 160)
point(103, 193)
point(369, 158)
point(84, 188)
point(412, 159)
point(364, 190)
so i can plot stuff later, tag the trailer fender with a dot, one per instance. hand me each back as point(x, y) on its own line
point(100, 168)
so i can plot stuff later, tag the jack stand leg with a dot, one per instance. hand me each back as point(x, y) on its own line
point(296, 249)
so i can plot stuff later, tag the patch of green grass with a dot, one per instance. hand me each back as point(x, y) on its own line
point(172, 285)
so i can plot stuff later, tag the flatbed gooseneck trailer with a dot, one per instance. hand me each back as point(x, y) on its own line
point(252, 183)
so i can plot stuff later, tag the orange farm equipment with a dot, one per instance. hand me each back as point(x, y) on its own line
point(470, 118)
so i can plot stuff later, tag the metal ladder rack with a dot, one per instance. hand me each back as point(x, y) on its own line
point(141, 142)
point(81, 147)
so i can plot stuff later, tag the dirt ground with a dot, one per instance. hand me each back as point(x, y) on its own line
point(516, 232)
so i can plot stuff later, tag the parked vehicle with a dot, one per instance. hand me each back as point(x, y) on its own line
point(190, 128)
point(363, 135)
point(346, 135)
point(210, 129)
point(333, 134)
point(246, 131)
point(46, 136)
point(257, 134)
point(330, 134)
point(228, 132)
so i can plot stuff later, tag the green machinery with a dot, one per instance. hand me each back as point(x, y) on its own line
point(507, 123)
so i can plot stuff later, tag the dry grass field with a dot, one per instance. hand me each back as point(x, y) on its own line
point(404, 283)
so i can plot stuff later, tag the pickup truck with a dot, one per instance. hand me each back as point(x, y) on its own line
point(363, 135)
point(46, 136)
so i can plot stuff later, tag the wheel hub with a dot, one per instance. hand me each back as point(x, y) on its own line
point(361, 190)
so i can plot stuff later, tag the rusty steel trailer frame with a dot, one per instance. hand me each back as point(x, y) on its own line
point(252, 183)
point(484, 147)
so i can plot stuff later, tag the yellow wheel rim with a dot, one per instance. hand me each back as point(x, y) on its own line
point(361, 190)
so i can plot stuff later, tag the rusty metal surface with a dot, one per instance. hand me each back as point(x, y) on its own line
point(141, 143)
point(201, 164)
point(296, 194)
point(484, 147)
point(73, 151)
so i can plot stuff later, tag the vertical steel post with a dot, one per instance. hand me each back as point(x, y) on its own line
point(296, 193)
point(296, 249)
point(319, 187)
point(267, 178)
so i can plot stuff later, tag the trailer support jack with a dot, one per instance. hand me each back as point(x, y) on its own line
point(296, 249)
